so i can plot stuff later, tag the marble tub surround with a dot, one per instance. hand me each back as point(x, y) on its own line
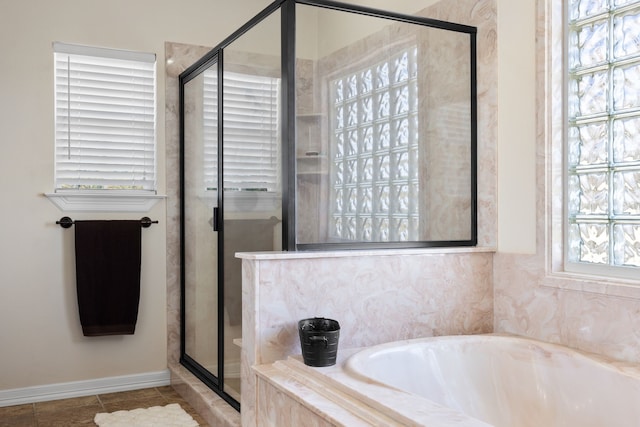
point(377, 296)
point(293, 394)
point(481, 380)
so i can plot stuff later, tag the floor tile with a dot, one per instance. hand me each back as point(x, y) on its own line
point(80, 411)
point(18, 415)
point(65, 404)
point(144, 393)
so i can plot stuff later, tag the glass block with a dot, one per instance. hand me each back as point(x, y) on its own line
point(588, 144)
point(382, 229)
point(401, 100)
point(382, 199)
point(626, 249)
point(352, 114)
point(367, 109)
point(338, 88)
point(339, 199)
point(626, 193)
point(352, 200)
point(351, 228)
point(337, 226)
point(366, 169)
point(384, 136)
point(401, 165)
point(626, 34)
point(401, 131)
point(400, 197)
point(401, 68)
point(352, 142)
point(401, 229)
point(594, 193)
point(383, 111)
point(413, 96)
point(339, 146)
point(339, 118)
point(382, 76)
point(626, 134)
point(338, 167)
point(619, 3)
point(579, 9)
point(366, 81)
point(414, 192)
point(366, 200)
point(413, 63)
point(366, 227)
point(574, 242)
point(382, 167)
point(626, 87)
point(588, 45)
point(367, 139)
point(594, 243)
point(590, 92)
point(351, 87)
point(351, 172)
point(413, 163)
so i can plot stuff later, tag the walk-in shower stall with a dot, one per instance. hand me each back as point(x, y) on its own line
point(318, 126)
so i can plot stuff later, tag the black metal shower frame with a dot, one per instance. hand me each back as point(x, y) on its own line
point(288, 128)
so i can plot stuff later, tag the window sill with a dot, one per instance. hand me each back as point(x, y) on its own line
point(101, 202)
point(245, 201)
point(622, 288)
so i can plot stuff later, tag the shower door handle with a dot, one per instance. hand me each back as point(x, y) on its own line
point(215, 219)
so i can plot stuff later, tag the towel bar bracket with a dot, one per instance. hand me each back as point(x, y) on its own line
point(66, 222)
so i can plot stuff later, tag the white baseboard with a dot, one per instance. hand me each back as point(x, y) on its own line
point(19, 396)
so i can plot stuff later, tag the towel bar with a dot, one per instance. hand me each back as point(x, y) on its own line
point(66, 222)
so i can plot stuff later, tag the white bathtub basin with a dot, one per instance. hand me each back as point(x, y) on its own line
point(508, 381)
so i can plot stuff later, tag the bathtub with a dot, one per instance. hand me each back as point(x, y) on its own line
point(507, 381)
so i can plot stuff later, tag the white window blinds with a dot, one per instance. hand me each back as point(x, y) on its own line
point(251, 132)
point(105, 116)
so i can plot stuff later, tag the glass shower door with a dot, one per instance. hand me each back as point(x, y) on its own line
point(251, 170)
point(200, 240)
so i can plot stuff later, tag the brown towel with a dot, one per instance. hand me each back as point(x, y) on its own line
point(108, 276)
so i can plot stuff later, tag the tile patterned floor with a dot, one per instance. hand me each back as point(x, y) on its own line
point(80, 411)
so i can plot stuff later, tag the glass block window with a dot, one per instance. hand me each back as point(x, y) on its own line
point(603, 132)
point(374, 167)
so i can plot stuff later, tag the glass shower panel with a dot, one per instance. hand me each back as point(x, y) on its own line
point(384, 130)
point(200, 242)
point(251, 166)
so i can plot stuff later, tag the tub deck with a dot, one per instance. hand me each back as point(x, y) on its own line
point(506, 381)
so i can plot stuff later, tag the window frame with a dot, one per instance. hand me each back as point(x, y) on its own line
point(114, 200)
point(605, 271)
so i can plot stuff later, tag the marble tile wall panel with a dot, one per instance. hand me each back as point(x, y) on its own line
point(179, 57)
point(376, 298)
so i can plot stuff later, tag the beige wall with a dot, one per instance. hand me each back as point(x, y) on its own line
point(516, 126)
point(40, 338)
